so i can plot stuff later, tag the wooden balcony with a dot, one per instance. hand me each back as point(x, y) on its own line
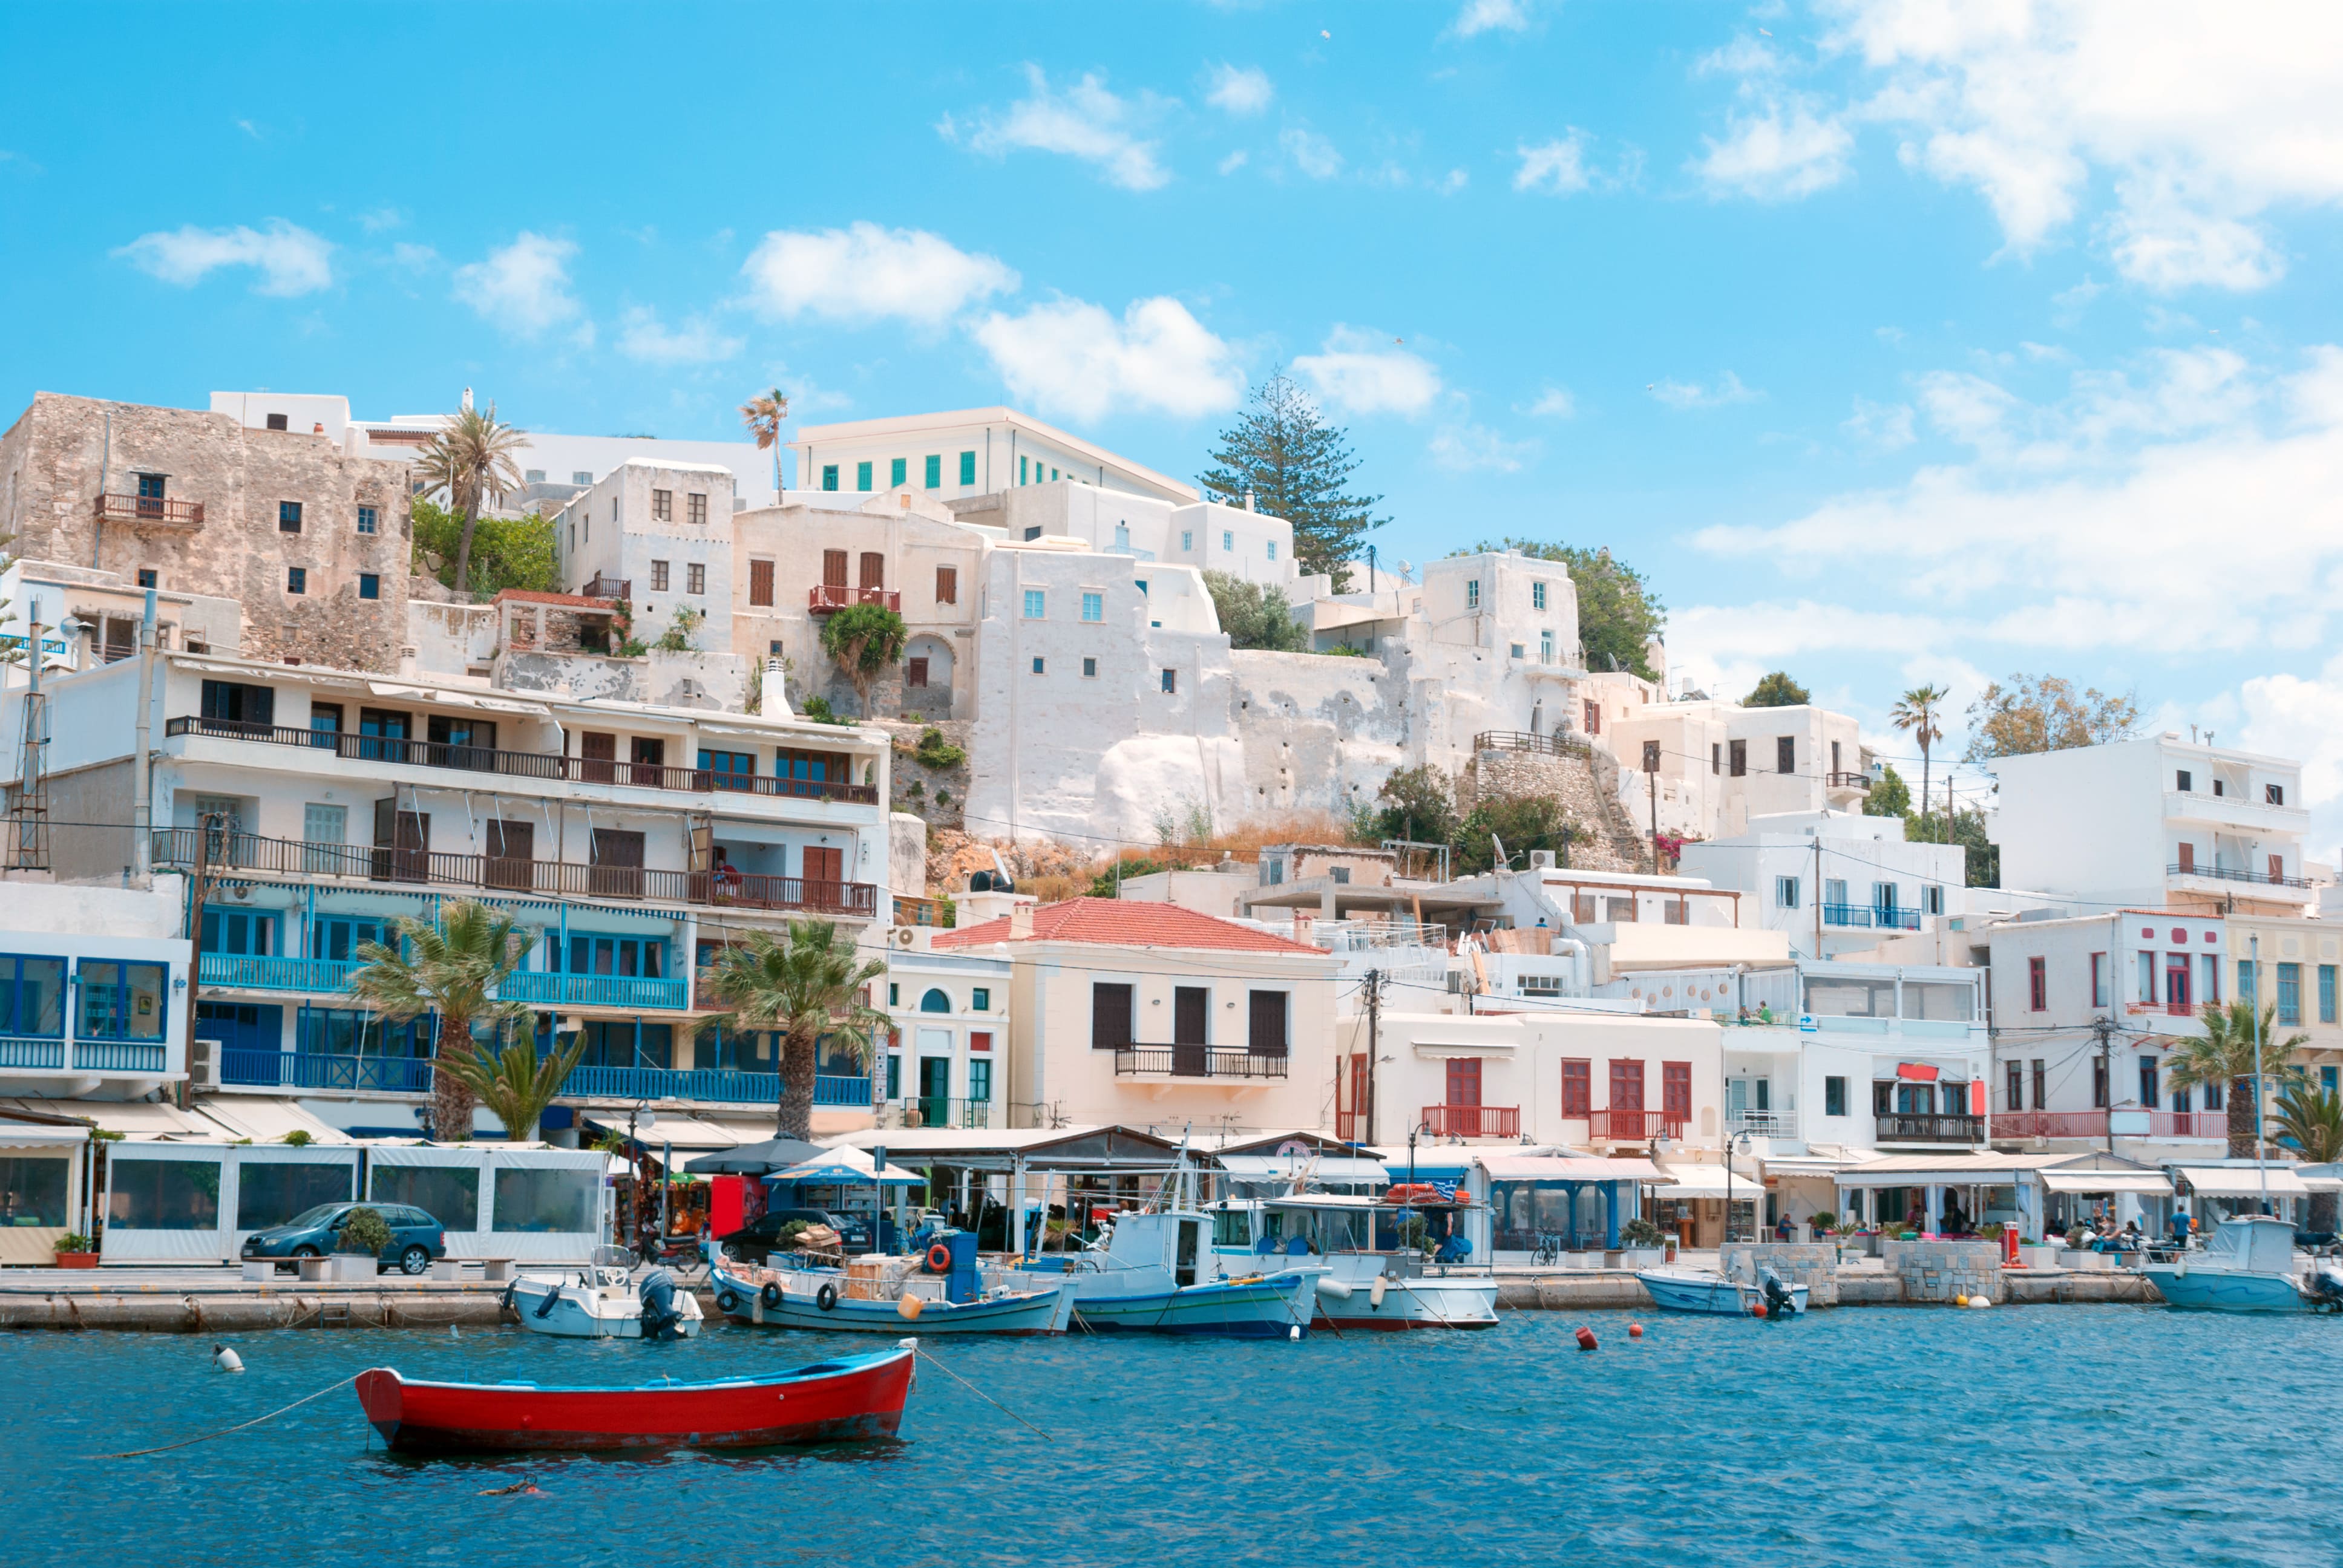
point(1902, 1127)
point(829, 597)
point(1196, 1061)
point(1634, 1126)
point(149, 512)
point(1472, 1120)
point(600, 587)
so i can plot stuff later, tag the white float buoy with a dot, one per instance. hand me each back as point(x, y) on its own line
point(1980, 1301)
point(1294, 1331)
point(227, 1360)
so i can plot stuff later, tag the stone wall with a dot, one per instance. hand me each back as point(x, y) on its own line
point(1585, 784)
point(1935, 1272)
point(1807, 1263)
point(936, 795)
point(63, 452)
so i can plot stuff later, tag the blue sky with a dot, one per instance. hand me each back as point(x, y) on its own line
point(1896, 344)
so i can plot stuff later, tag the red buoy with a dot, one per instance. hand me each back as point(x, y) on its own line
point(1585, 1338)
point(1634, 1331)
point(1756, 1309)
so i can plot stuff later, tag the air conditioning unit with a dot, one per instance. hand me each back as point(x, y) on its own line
point(1541, 860)
point(905, 937)
point(204, 1064)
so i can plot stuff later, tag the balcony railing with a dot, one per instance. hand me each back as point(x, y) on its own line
point(940, 1110)
point(824, 598)
point(301, 1069)
point(230, 971)
point(177, 848)
point(118, 1056)
point(1763, 1123)
point(149, 511)
point(1196, 1061)
point(2130, 1123)
point(2235, 874)
point(543, 990)
point(521, 764)
point(1871, 917)
point(1903, 1127)
point(1472, 1120)
point(16, 1051)
point(1634, 1126)
point(717, 1085)
point(1560, 743)
point(1859, 782)
point(599, 586)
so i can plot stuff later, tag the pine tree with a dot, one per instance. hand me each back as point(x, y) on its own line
point(1296, 465)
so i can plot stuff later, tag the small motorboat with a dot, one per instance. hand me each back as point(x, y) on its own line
point(1155, 1271)
point(2246, 1266)
point(1684, 1288)
point(1359, 1283)
point(944, 1292)
point(843, 1400)
point(603, 1302)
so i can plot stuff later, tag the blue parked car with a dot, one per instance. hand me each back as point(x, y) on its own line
point(415, 1238)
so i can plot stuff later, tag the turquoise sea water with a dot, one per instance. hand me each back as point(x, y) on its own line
point(2059, 1435)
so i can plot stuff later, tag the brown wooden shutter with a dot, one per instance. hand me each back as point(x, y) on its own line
point(1577, 1089)
point(1265, 1035)
point(512, 848)
point(760, 582)
point(598, 753)
point(1111, 1008)
point(618, 864)
point(833, 569)
point(1675, 1092)
point(874, 570)
point(948, 585)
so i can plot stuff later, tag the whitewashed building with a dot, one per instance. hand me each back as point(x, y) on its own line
point(1834, 882)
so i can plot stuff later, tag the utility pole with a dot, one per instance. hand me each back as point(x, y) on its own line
point(1374, 1042)
point(1818, 896)
point(1651, 782)
point(199, 893)
point(2261, 1150)
point(2104, 1027)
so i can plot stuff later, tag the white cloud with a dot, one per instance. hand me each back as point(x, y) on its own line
point(2200, 119)
point(1553, 403)
point(1312, 154)
point(524, 287)
point(1240, 90)
point(1467, 448)
point(1687, 394)
point(1235, 161)
point(1475, 17)
point(2288, 715)
point(2190, 502)
point(1886, 426)
point(1071, 358)
point(1086, 121)
point(1784, 150)
point(290, 260)
point(381, 219)
point(698, 341)
point(864, 273)
point(1364, 372)
point(414, 258)
point(1557, 166)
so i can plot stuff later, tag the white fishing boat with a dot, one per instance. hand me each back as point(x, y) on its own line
point(1365, 1279)
point(2248, 1266)
point(1153, 1271)
point(1684, 1289)
point(603, 1301)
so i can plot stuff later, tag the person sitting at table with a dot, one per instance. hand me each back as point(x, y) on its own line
point(1954, 1223)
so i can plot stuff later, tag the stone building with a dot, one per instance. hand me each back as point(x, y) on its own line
point(313, 544)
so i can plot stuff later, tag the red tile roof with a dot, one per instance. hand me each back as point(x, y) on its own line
point(1117, 922)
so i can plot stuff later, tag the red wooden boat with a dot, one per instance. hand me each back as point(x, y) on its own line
point(832, 1400)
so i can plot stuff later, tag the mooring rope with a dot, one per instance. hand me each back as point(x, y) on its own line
point(256, 1420)
point(978, 1393)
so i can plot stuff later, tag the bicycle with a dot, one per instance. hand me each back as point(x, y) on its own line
point(1548, 1251)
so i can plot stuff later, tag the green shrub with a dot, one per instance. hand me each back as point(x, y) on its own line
point(299, 1138)
point(1641, 1232)
point(72, 1241)
point(935, 751)
point(364, 1231)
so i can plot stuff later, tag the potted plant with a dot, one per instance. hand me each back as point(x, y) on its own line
point(359, 1245)
point(75, 1251)
point(1641, 1245)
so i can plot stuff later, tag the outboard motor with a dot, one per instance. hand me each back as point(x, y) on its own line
point(1779, 1301)
point(660, 1313)
point(2325, 1288)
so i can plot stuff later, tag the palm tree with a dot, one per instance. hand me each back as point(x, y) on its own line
point(2223, 1055)
point(467, 461)
point(807, 986)
point(2312, 1120)
point(450, 968)
point(518, 1084)
point(763, 414)
point(864, 639)
point(1919, 713)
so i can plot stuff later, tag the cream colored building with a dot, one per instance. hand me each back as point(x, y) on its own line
point(1151, 1016)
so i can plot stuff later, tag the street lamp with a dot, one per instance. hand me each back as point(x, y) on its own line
point(1742, 1138)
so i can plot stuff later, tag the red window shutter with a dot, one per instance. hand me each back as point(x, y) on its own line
point(1627, 1085)
point(2188, 857)
point(2038, 981)
point(2277, 868)
point(1676, 1091)
point(1577, 1089)
point(1463, 1080)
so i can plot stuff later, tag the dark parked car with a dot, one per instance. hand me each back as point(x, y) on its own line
point(755, 1242)
point(415, 1238)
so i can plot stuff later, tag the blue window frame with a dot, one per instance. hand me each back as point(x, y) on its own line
point(296, 579)
point(980, 1082)
point(729, 769)
point(932, 471)
point(2327, 993)
point(121, 1000)
point(935, 1000)
point(338, 938)
point(1040, 665)
point(627, 1042)
point(979, 1000)
point(1095, 607)
point(288, 516)
point(861, 476)
point(830, 476)
point(1037, 604)
point(243, 933)
point(968, 468)
point(631, 958)
point(369, 586)
point(32, 997)
point(367, 517)
point(350, 1032)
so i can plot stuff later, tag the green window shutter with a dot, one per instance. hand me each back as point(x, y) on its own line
point(935, 471)
point(968, 468)
point(861, 476)
point(830, 476)
point(897, 471)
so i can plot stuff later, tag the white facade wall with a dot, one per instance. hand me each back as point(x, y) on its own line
point(978, 451)
point(1774, 865)
point(613, 531)
point(967, 1033)
point(95, 1037)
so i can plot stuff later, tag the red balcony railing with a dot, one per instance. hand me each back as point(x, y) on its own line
point(1634, 1126)
point(1472, 1120)
point(828, 596)
point(150, 512)
point(2094, 1123)
point(1349, 1126)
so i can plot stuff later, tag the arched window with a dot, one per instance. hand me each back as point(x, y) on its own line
point(935, 1002)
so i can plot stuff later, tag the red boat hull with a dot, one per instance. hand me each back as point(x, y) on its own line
point(855, 1398)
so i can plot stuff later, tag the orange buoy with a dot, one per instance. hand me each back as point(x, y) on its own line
point(1585, 1338)
point(1634, 1331)
point(1756, 1309)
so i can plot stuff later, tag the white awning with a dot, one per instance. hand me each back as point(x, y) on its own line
point(1706, 1182)
point(1441, 1049)
point(1325, 1168)
point(687, 1132)
point(265, 1119)
point(2146, 1183)
point(1564, 1168)
point(2243, 1181)
point(135, 1119)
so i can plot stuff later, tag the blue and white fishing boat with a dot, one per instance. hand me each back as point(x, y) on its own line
point(1155, 1271)
point(2246, 1266)
point(947, 1293)
point(1688, 1290)
point(1362, 1281)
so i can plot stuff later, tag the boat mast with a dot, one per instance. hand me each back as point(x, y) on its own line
point(2261, 1152)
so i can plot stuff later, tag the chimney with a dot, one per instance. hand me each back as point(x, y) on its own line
point(773, 697)
point(1021, 923)
point(468, 399)
point(407, 663)
point(1248, 502)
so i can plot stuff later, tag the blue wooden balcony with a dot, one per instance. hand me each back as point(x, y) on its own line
point(18, 1052)
point(118, 1056)
point(543, 990)
point(1869, 917)
point(232, 971)
point(717, 1085)
point(301, 1069)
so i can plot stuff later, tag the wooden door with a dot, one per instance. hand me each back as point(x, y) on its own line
point(823, 870)
point(618, 867)
point(874, 570)
point(1192, 1022)
point(512, 851)
point(1464, 1081)
point(402, 843)
point(760, 582)
point(599, 756)
point(833, 569)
